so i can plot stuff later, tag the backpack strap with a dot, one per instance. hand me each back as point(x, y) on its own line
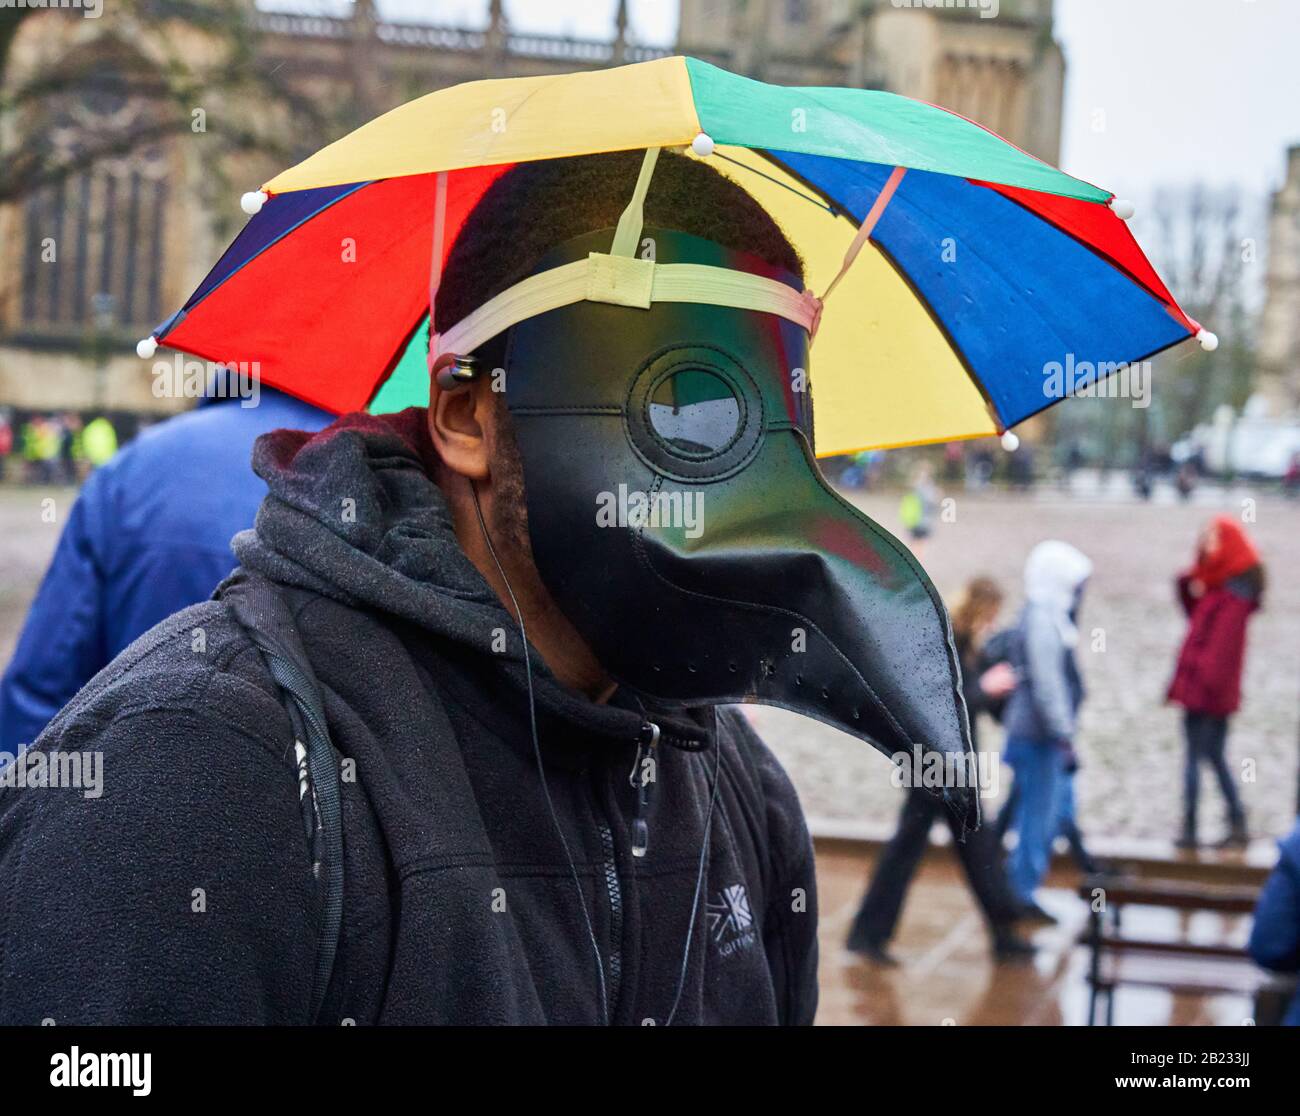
point(261, 611)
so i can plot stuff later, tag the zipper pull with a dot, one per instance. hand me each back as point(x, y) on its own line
point(645, 773)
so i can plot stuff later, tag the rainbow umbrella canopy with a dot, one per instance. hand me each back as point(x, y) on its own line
point(977, 272)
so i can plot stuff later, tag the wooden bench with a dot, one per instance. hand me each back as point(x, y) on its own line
point(1178, 966)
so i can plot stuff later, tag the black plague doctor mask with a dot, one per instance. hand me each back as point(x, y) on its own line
point(663, 413)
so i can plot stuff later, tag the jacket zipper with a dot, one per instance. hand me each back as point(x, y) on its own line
point(615, 891)
point(643, 780)
point(644, 777)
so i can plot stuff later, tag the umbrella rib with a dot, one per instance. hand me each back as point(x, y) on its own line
point(777, 182)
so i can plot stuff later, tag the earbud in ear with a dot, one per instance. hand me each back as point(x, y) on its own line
point(451, 370)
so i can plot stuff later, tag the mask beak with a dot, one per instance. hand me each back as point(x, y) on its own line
point(843, 624)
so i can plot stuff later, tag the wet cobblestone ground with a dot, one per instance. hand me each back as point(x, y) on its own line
point(1131, 749)
point(29, 530)
point(947, 976)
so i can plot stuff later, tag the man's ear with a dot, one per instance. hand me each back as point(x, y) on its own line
point(458, 420)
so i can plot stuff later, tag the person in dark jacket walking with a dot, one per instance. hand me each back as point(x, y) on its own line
point(1219, 594)
point(1275, 936)
point(984, 684)
point(149, 535)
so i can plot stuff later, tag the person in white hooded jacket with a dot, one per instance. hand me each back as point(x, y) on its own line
point(1042, 712)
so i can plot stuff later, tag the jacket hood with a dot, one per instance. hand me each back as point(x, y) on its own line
point(1231, 554)
point(1054, 571)
point(353, 514)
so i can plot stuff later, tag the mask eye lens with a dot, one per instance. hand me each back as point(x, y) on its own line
point(695, 412)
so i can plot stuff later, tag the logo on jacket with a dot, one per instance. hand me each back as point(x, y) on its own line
point(731, 921)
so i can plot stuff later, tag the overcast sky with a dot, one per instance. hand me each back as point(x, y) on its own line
point(1157, 91)
point(1187, 90)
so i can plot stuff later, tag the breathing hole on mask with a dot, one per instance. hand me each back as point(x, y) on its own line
point(696, 412)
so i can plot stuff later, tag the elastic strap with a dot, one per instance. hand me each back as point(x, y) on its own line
point(628, 232)
point(625, 282)
point(439, 243)
point(619, 278)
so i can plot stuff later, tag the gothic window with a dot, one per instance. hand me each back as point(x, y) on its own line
point(93, 242)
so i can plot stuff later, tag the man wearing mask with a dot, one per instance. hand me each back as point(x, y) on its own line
point(450, 745)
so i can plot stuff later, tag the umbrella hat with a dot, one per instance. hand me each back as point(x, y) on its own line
point(955, 271)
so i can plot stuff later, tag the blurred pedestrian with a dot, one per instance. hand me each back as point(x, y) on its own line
point(6, 442)
point(1020, 466)
point(1144, 476)
point(954, 461)
point(69, 447)
point(1042, 713)
point(1219, 593)
point(983, 684)
point(1275, 937)
point(918, 507)
point(99, 441)
point(40, 438)
point(149, 535)
point(1291, 478)
point(979, 469)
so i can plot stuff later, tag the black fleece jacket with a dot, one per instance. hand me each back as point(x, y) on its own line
point(185, 892)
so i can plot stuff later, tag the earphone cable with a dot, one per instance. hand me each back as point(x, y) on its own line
point(541, 769)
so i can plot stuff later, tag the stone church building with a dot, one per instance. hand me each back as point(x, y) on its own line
point(155, 121)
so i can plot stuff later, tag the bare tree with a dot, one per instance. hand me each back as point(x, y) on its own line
point(233, 72)
point(1199, 246)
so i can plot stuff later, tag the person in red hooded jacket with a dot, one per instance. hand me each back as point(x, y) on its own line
point(1219, 593)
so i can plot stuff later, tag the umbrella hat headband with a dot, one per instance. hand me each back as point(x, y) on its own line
point(620, 278)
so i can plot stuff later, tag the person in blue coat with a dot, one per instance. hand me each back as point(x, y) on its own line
point(1275, 938)
point(149, 535)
